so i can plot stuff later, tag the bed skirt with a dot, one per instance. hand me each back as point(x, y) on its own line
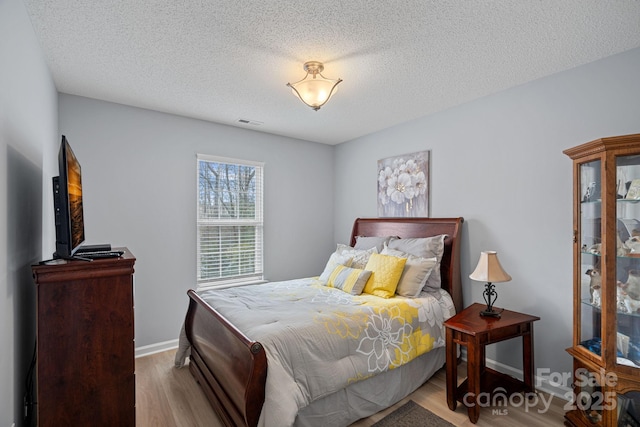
point(365, 398)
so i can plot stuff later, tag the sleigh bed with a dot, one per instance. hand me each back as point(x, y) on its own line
point(232, 366)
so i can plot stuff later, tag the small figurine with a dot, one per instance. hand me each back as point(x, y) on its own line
point(595, 249)
point(633, 284)
point(594, 286)
point(590, 193)
point(622, 249)
point(621, 298)
point(632, 305)
point(633, 243)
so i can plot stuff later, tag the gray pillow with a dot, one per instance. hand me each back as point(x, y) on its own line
point(423, 247)
point(359, 257)
point(366, 242)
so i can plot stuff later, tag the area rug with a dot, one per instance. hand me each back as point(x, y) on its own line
point(412, 415)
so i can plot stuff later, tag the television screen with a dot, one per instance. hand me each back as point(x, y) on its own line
point(67, 196)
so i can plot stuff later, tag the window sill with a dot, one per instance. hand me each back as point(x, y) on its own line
point(229, 285)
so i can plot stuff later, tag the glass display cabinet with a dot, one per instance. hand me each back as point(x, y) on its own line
point(606, 288)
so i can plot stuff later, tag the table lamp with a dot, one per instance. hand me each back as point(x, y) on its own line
point(490, 271)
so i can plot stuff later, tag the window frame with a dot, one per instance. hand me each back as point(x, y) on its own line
point(257, 221)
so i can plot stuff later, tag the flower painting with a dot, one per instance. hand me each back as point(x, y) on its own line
point(403, 185)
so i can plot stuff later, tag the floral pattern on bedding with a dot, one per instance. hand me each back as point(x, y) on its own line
point(385, 332)
point(389, 340)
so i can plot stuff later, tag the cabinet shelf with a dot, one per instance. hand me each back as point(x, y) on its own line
point(619, 200)
point(636, 313)
point(635, 256)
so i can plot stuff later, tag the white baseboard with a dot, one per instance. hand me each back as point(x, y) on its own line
point(541, 384)
point(150, 349)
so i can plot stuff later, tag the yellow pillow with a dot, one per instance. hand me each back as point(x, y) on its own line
point(386, 271)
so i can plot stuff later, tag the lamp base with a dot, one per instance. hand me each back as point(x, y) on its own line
point(490, 312)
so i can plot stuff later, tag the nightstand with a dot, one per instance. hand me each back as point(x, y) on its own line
point(470, 329)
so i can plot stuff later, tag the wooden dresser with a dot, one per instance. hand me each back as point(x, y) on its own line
point(85, 371)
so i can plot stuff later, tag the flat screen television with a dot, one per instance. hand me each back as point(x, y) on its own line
point(67, 200)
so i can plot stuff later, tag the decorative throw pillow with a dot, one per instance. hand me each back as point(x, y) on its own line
point(386, 271)
point(366, 242)
point(350, 280)
point(334, 260)
point(359, 257)
point(416, 272)
point(424, 247)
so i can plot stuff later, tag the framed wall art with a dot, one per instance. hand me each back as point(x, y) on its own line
point(403, 185)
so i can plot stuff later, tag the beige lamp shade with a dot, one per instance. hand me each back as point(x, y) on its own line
point(489, 269)
point(314, 89)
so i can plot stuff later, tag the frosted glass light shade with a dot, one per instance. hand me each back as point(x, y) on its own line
point(489, 269)
point(314, 89)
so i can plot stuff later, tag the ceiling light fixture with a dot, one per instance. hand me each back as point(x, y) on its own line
point(314, 89)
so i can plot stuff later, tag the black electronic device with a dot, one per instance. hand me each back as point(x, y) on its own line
point(102, 247)
point(100, 255)
point(67, 201)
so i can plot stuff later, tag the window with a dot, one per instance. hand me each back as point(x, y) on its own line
point(229, 221)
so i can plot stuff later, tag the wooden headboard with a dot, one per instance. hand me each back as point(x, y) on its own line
point(423, 227)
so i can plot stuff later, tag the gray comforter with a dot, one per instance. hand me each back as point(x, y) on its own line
point(319, 340)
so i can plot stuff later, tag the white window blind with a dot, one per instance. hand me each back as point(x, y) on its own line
point(230, 222)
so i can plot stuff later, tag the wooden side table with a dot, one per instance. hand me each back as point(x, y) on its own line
point(470, 329)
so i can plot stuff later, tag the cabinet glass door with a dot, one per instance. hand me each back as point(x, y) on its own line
point(628, 261)
point(591, 251)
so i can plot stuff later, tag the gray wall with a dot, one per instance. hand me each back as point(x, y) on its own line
point(139, 185)
point(498, 162)
point(28, 141)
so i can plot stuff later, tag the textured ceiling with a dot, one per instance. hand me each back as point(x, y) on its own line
point(227, 60)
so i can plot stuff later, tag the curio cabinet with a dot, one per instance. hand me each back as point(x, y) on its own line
point(606, 284)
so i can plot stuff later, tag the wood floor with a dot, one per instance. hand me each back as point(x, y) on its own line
point(168, 397)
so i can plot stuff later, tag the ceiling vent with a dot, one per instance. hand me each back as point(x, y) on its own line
point(250, 122)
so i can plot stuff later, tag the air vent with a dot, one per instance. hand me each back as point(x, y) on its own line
point(250, 122)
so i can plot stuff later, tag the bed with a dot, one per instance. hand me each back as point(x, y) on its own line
point(233, 369)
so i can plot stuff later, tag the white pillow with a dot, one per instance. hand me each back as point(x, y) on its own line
point(366, 242)
point(359, 257)
point(416, 272)
point(334, 260)
point(424, 247)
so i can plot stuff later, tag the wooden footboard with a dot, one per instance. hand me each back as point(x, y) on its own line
point(230, 368)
